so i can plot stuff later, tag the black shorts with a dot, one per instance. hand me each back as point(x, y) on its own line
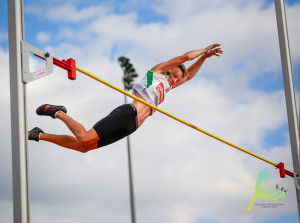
point(121, 122)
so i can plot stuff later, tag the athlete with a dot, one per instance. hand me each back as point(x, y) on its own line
point(126, 118)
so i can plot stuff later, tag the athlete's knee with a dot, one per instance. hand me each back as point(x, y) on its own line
point(84, 139)
point(88, 139)
point(83, 149)
point(80, 148)
point(85, 145)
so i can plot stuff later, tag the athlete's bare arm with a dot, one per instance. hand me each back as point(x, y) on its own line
point(191, 55)
point(195, 67)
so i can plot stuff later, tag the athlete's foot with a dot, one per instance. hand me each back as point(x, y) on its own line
point(50, 110)
point(34, 134)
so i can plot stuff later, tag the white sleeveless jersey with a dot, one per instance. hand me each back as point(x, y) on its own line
point(153, 88)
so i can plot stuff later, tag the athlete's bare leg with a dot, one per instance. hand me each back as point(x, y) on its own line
point(83, 140)
point(67, 141)
point(86, 138)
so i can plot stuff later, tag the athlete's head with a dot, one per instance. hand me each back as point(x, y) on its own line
point(183, 69)
point(177, 73)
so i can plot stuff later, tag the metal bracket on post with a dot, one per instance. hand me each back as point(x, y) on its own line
point(283, 171)
point(296, 179)
point(27, 75)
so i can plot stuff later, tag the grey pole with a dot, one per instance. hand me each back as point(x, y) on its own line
point(288, 87)
point(129, 75)
point(18, 113)
point(132, 203)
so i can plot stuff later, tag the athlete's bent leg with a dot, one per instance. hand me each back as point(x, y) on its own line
point(121, 122)
point(85, 138)
point(67, 141)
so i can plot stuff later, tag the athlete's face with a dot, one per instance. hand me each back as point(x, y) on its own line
point(176, 75)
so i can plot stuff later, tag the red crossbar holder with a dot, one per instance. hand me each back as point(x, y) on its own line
point(69, 65)
point(283, 172)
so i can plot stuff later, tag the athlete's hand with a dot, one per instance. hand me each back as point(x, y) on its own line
point(211, 47)
point(211, 50)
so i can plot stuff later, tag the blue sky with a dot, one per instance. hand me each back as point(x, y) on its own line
point(283, 218)
point(145, 14)
point(242, 93)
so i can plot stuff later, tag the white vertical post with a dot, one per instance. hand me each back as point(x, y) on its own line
point(18, 112)
point(288, 87)
point(132, 203)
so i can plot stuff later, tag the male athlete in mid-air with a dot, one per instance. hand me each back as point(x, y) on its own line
point(126, 118)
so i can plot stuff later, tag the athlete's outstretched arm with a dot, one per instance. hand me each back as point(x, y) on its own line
point(195, 67)
point(191, 55)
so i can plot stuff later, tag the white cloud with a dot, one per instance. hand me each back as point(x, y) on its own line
point(180, 175)
point(5, 138)
point(43, 37)
point(69, 13)
point(293, 29)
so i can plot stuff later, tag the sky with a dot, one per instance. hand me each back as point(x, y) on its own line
point(180, 175)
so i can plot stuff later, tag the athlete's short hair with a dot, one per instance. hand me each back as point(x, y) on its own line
point(183, 69)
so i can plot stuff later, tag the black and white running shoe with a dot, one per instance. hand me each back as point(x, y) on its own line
point(50, 110)
point(34, 134)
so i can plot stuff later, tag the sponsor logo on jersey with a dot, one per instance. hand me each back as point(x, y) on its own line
point(160, 92)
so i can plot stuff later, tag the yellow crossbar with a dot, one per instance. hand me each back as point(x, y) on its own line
point(172, 116)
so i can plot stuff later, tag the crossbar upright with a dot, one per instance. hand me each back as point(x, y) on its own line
point(289, 90)
point(18, 113)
